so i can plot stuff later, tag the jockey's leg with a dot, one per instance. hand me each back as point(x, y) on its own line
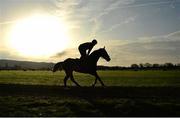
point(82, 52)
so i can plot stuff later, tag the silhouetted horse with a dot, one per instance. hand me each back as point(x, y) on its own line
point(87, 65)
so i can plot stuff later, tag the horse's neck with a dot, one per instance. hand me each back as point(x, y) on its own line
point(94, 56)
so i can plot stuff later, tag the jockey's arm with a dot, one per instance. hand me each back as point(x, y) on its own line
point(89, 51)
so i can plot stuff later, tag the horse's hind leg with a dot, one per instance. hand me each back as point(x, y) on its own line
point(72, 78)
point(65, 80)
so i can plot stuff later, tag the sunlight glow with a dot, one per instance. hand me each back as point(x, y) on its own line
point(39, 36)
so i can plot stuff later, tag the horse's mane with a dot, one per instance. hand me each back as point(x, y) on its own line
point(95, 51)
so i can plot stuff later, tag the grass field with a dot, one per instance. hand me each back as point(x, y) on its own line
point(128, 93)
point(110, 78)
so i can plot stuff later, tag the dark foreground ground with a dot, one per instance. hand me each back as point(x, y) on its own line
point(90, 92)
point(43, 100)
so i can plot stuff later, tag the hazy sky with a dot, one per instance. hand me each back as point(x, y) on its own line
point(133, 31)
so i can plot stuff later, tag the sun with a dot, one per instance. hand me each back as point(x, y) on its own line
point(39, 36)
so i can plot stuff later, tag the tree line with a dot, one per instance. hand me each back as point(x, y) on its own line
point(6, 66)
point(143, 66)
point(136, 67)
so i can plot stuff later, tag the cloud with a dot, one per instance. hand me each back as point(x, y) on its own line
point(60, 54)
point(112, 6)
point(174, 36)
point(67, 9)
point(9, 54)
point(147, 3)
point(90, 13)
point(154, 49)
point(68, 53)
point(105, 9)
point(87, 18)
point(8, 22)
point(4, 54)
point(86, 13)
point(96, 27)
point(118, 3)
point(115, 26)
point(80, 14)
point(142, 52)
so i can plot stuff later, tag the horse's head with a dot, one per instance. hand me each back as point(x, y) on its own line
point(104, 54)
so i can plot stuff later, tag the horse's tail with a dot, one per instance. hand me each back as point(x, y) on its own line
point(58, 66)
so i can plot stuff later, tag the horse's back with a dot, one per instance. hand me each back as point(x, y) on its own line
point(70, 60)
point(72, 63)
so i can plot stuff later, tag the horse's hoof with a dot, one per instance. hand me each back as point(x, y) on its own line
point(65, 87)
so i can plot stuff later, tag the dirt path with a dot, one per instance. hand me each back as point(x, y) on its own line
point(107, 92)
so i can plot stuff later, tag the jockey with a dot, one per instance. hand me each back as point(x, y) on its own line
point(86, 46)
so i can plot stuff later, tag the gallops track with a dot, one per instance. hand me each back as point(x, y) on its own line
point(90, 92)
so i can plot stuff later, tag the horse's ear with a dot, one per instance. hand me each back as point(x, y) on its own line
point(104, 47)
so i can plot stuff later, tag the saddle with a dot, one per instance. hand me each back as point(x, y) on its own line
point(83, 63)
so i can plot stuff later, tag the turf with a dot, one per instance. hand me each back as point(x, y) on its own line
point(127, 93)
point(110, 78)
point(68, 106)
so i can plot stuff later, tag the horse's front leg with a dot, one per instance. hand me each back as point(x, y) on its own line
point(98, 78)
point(95, 81)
